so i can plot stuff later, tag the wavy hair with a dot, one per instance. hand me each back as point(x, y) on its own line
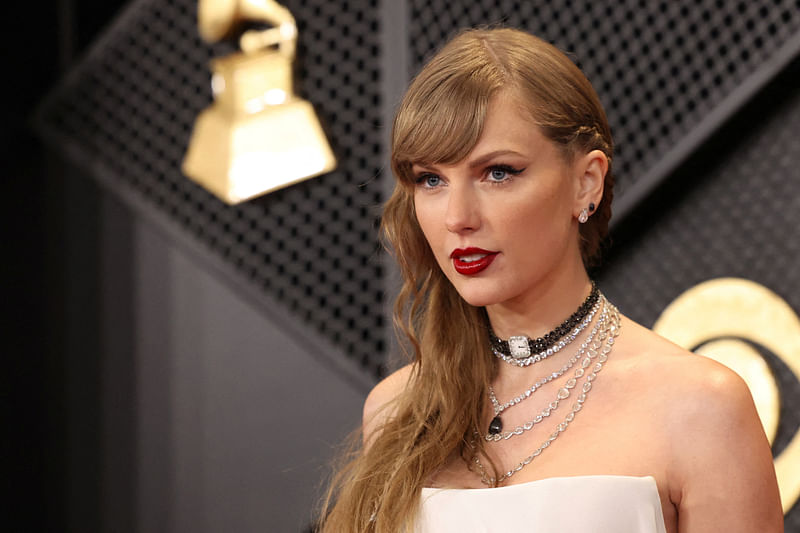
point(439, 121)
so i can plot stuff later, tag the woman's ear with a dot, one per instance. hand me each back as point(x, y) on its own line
point(591, 170)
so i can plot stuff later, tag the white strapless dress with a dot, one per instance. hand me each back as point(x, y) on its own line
point(580, 504)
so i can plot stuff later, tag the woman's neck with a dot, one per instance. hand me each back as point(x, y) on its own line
point(540, 310)
point(540, 314)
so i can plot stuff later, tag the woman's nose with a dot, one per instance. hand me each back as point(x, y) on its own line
point(462, 210)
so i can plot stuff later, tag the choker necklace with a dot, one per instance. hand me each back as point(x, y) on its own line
point(565, 341)
point(496, 425)
point(521, 346)
point(597, 355)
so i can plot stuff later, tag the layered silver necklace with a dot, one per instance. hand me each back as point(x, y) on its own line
point(496, 433)
point(596, 353)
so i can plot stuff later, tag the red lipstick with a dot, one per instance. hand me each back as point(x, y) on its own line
point(470, 261)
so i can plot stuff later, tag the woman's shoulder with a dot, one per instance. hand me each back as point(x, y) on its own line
point(704, 414)
point(699, 404)
point(676, 372)
point(377, 406)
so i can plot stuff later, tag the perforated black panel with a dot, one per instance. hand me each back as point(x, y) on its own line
point(659, 67)
point(127, 112)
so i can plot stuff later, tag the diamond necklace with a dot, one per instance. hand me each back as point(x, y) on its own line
point(496, 432)
point(496, 424)
point(614, 331)
point(521, 346)
point(565, 341)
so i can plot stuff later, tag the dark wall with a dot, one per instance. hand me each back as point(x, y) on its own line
point(47, 41)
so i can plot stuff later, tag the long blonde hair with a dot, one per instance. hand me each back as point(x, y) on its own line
point(439, 121)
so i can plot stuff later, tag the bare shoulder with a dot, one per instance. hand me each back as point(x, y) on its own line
point(697, 396)
point(677, 372)
point(720, 465)
point(377, 406)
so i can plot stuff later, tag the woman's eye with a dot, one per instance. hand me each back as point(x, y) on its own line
point(429, 180)
point(500, 173)
point(497, 174)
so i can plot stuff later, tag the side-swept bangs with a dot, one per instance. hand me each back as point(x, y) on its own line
point(442, 116)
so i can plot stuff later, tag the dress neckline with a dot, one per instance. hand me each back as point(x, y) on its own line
point(547, 479)
point(545, 501)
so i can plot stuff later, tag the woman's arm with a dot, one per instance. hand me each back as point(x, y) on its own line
point(377, 405)
point(723, 463)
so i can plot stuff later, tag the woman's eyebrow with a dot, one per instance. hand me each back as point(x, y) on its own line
point(419, 167)
point(478, 162)
point(482, 160)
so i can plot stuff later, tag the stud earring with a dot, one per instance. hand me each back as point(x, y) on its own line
point(591, 207)
point(584, 216)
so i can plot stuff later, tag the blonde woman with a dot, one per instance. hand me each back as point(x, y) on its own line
point(531, 403)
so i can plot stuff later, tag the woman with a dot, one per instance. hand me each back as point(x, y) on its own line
point(531, 403)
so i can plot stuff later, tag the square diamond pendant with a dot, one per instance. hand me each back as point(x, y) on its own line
point(519, 347)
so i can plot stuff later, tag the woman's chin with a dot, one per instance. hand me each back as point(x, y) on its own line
point(479, 298)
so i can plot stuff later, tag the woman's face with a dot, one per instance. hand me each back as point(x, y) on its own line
point(502, 222)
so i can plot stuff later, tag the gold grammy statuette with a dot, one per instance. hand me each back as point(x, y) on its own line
point(257, 136)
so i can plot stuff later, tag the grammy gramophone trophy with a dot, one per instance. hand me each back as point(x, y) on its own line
point(258, 135)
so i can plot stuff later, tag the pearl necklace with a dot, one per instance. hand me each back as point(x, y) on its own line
point(602, 357)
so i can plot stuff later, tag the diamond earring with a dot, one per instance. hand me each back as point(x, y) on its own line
point(584, 216)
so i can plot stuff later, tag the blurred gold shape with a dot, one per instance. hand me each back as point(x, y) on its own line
point(257, 136)
point(715, 318)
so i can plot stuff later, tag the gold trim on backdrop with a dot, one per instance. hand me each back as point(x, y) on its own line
point(713, 318)
point(257, 136)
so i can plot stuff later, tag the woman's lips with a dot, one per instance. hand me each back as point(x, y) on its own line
point(470, 261)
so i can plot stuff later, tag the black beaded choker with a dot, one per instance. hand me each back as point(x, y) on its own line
point(518, 348)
